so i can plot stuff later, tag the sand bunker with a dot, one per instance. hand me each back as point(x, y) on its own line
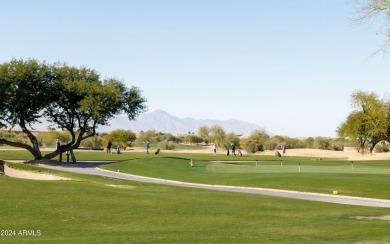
point(352, 155)
point(385, 217)
point(30, 175)
point(349, 153)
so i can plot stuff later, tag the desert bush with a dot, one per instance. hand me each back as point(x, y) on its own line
point(294, 143)
point(309, 142)
point(150, 135)
point(166, 145)
point(9, 136)
point(93, 142)
point(251, 146)
point(381, 148)
point(48, 139)
point(255, 142)
point(21, 138)
point(322, 143)
point(193, 139)
point(169, 137)
point(337, 146)
point(271, 144)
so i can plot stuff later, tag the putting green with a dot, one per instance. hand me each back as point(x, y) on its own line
point(268, 167)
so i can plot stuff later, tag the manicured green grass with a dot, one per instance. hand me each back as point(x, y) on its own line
point(6, 154)
point(126, 155)
point(178, 146)
point(366, 179)
point(102, 155)
point(90, 210)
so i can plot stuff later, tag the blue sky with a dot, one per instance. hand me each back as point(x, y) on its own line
point(288, 66)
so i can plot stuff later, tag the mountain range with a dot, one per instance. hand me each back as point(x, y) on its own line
point(162, 121)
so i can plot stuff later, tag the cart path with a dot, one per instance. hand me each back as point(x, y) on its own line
point(91, 168)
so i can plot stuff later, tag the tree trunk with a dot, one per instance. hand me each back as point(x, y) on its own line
point(22, 145)
point(35, 145)
point(62, 149)
point(373, 146)
point(73, 157)
point(51, 155)
point(69, 147)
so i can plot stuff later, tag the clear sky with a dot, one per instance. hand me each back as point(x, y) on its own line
point(288, 66)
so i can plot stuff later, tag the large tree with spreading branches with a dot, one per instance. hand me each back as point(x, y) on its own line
point(71, 98)
point(377, 12)
point(368, 123)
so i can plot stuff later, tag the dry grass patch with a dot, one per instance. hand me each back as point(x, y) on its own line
point(384, 217)
point(122, 186)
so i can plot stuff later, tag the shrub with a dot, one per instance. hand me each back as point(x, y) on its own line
point(253, 146)
point(48, 139)
point(337, 146)
point(193, 139)
point(271, 144)
point(381, 148)
point(309, 142)
point(166, 145)
point(93, 142)
point(294, 143)
point(119, 137)
point(9, 136)
point(322, 143)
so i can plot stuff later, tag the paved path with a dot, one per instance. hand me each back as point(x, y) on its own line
point(90, 168)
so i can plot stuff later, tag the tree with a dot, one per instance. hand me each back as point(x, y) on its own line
point(232, 139)
point(353, 129)
point(24, 94)
point(73, 99)
point(204, 133)
point(387, 109)
point(84, 102)
point(275, 142)
point(148, 136)
point(167, 137)
point(308, 142)
point(123, 138)
point(192, 139)
point(379, 11)
point(368, 123)
point(218, 136)
point(256, 141)
point(322, 143)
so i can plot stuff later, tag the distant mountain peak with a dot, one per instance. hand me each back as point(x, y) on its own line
point(162, 121)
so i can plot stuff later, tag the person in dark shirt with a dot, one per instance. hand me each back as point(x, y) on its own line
point(109, 144)
point(233, 149)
